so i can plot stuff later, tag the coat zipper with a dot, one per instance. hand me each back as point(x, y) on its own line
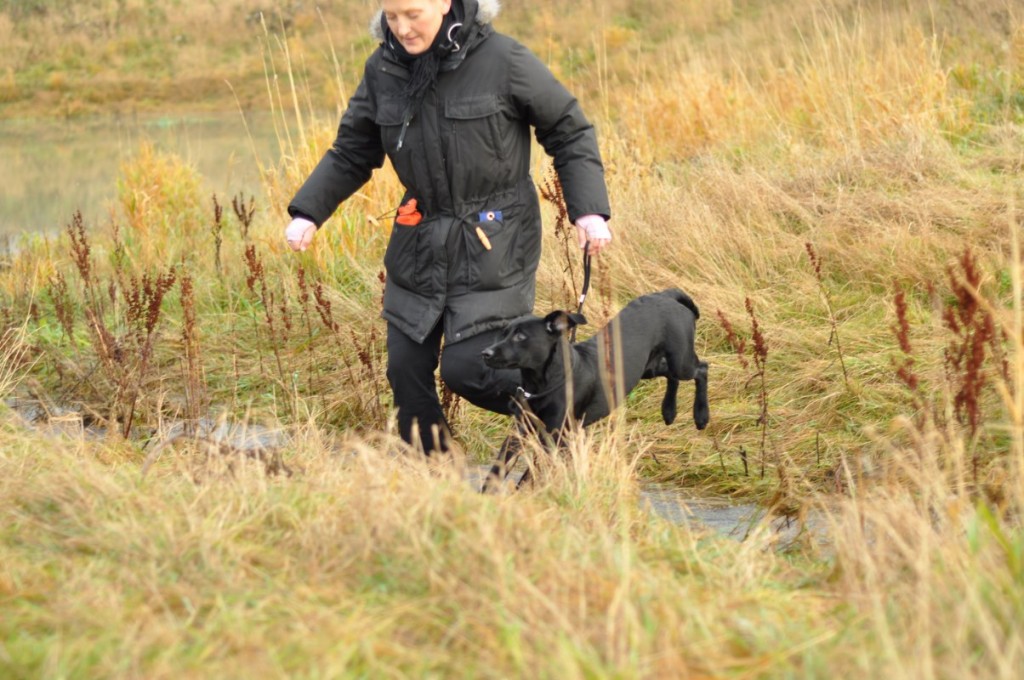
point(444, 152)
point(401, 135)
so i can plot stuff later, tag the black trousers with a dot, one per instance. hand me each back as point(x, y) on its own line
point(411, 367)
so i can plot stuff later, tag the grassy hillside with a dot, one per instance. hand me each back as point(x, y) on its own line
point(837, 184)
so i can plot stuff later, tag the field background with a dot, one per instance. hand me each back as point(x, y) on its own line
point(837, 184)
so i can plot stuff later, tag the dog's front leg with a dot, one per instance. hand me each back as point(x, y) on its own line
point(526, 425)
point(509, 452)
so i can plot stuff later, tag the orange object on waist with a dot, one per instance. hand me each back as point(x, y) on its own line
point(408, 215)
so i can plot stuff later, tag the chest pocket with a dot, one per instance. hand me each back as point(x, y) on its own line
point(389, 119)
point(476, 127)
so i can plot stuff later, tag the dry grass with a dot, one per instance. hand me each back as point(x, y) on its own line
point(357, 565)
point(368, 563)
point(740, 139)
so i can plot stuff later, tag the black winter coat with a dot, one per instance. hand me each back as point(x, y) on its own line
point(466, 159)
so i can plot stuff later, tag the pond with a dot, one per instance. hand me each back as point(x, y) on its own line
point(53, 167)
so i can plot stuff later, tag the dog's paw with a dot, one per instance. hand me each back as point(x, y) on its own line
point(701, 415)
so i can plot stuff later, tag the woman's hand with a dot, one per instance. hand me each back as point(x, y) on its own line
point(299, 233)
point(593, 230)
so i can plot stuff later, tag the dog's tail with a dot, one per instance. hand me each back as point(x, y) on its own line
point(685, 300)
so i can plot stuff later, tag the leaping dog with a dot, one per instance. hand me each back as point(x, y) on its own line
point(653, 336)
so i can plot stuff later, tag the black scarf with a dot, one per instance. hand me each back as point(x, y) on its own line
point(424, 67)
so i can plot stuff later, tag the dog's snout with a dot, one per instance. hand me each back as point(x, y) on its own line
point(487, 353)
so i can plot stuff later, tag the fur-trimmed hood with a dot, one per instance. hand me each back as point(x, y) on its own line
point(487, 11)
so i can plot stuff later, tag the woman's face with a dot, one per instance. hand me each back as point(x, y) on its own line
point(415, 22)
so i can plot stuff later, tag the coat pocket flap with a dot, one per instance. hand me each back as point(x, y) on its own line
point(469, 108)
point(389, 111)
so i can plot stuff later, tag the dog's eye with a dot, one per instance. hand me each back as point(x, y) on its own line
point(519, 337)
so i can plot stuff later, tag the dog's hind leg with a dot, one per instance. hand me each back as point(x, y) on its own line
point(686, 366)
point(701, 410)
point(668, 404)
point(658, 367)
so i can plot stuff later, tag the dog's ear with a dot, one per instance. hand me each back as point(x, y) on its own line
point(577, 319)
point(559, 322)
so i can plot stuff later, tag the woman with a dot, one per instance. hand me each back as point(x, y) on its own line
point(451, 103)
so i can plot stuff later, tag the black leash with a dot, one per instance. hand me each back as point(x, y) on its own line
point(586, 287)
point(522, 400)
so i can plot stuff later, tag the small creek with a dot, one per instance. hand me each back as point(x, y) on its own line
point(723, 515)
point(678, 506)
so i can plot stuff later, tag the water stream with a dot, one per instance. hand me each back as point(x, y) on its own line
point(679, 506)
point(721, 514)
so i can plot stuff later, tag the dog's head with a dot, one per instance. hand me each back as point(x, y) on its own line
point(528, 343)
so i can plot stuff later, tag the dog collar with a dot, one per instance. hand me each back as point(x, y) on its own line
point(522, 393)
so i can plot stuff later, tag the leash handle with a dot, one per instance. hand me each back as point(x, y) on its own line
point(585, 289)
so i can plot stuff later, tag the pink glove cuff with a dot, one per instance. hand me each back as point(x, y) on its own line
point(299, 233)
point(595, 226)
point(296, 228)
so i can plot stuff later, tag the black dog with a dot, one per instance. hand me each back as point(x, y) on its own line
point(651, 337)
